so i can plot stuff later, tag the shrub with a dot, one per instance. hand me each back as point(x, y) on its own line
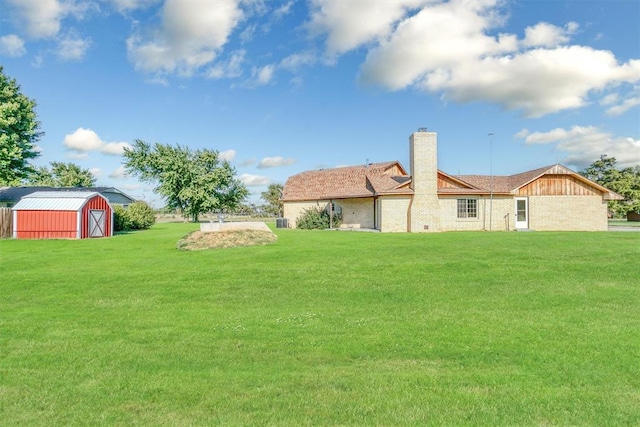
point(141, 215)
point(121, 220)
point(137, 216)
point(317, 218)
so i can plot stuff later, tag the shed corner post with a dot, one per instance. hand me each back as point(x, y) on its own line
point(79, 224)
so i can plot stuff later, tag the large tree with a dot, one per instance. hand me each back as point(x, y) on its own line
point(19, 132)
point(272, 198)
point(62, 175)
point(195, 182)
point(625, 182)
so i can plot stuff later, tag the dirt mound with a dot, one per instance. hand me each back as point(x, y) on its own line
point(199, 240)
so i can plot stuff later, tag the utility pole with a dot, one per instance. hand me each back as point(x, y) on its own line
point(490, 135)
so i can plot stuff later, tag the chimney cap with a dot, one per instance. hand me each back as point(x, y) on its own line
point(422, 129)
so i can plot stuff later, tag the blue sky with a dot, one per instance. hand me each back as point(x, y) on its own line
point(279, 87)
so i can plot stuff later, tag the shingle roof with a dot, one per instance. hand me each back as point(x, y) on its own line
point(508, 184)
point(347, 182)
point(503, 184)
point(376, 179)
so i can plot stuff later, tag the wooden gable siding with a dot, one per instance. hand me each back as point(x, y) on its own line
point(394, 170)
point(558, 185)
point(446, 182)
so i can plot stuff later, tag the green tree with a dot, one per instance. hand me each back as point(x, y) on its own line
point(193, 181)
point(62, 175)
point(272, 197)
point(19, 132)
point(625, 182)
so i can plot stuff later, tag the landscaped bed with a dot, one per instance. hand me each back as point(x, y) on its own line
point(198, 240)
point(322, 328)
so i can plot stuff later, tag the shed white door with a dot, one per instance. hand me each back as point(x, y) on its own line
point(96, 223)
point(522, 213)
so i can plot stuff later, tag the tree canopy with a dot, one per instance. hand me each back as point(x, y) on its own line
point(195, 182)
point(625, 182)
point(272, 198)
point(19, 132)
point(62, 175)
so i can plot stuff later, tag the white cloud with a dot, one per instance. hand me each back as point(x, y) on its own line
point(450, 48)
point(544, 34)
point(283, 10)
point(610, 99)
point(191, 34)
point(73, 48)
point(83, 141)
point(349, 24)
point(115, 148)
point(128, 5)
point(298, 60)
point(585, 144)
point(274, 162)
point(626, 105)
point(118, 173)
point(522, 134)
point(227, 155)
point(438, 38)
point(97, 172)
point(12, 45)
point(229, 68)
point(263, 75)
point(41, 18)
point(254, 180)
point(539, 81)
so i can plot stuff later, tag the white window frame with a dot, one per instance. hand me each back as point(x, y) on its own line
point(469, 210)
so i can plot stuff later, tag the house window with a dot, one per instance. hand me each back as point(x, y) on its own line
point(467, 208)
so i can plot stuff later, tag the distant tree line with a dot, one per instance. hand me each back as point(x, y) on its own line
point(625, 181)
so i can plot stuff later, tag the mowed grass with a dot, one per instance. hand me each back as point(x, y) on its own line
point(322, 328)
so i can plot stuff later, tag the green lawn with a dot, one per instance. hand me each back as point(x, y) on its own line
point(322, 328)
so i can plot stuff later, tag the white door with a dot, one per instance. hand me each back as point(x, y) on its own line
point(96, 223)
point(522, 213)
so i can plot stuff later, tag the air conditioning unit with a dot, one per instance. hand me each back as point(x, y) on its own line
point(282, 223)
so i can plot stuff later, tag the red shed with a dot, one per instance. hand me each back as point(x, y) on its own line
point(62, 215)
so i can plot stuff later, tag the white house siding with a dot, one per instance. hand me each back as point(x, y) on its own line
point(356, 213)
point(567, 213)
point(393, 212)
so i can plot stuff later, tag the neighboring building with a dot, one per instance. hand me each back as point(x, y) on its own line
point(9, 196)
point(384, 197)
point(62, 215)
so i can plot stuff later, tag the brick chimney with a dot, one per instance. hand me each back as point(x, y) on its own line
point(425, 207)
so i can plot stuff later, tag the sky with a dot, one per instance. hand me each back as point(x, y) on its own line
point(280, 87)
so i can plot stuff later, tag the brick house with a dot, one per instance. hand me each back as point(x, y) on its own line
point(384, 197)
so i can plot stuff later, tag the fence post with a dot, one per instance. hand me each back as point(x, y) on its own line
point(6, 220)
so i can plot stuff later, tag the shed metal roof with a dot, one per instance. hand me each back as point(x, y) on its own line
point(54, 201)
point(113, 195)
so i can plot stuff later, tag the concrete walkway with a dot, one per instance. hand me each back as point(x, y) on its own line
point(623, 228)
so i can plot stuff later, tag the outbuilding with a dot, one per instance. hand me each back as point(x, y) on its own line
point(62, 215)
